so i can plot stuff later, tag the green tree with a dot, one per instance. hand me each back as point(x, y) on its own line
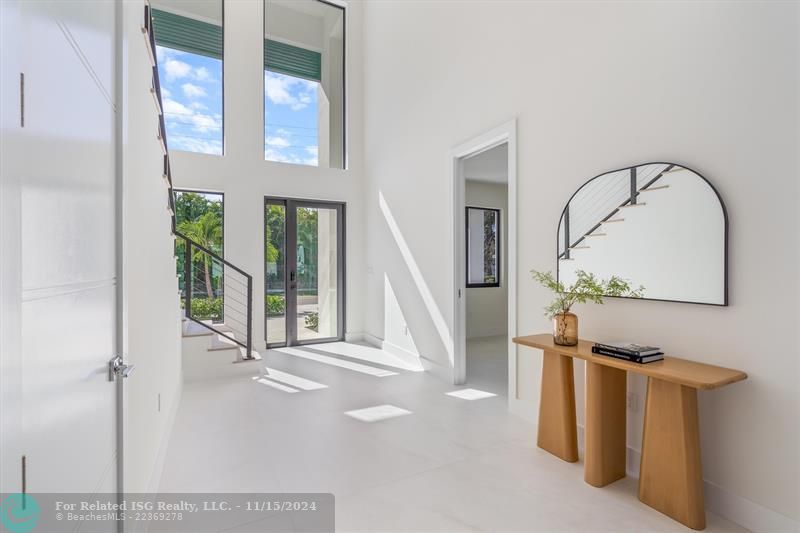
point(207, 232)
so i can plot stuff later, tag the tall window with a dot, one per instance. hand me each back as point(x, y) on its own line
point(304, 116)
point(189, 47)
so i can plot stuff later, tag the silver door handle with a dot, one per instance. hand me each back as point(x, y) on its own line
point(117, 367)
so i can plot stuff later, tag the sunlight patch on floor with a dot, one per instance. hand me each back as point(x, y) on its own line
point(275, 385)
point(379, 412)
point(293, 381)
point(369, 354)
point(335, 361)
point(470, 394)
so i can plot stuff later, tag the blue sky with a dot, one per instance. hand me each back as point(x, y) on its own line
point(290, 131)
point(191, 92)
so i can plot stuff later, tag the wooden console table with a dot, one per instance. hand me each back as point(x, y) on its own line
point(671, 477)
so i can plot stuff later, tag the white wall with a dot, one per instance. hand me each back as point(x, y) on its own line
point(244, 176)
point(598, 86)
point(152, 304)
point(487, 307)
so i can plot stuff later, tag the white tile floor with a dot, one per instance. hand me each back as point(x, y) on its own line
point(449, 465)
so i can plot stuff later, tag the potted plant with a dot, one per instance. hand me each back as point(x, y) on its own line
point(586, 288)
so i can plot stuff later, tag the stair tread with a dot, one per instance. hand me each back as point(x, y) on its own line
point(656, 188)
point(632, 205)
point(613, 220)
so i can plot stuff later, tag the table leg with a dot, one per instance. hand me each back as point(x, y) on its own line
point(558, 432)
point(671, 476)
point(606, 390)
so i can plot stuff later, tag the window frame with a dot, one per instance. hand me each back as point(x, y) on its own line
point(498, 253)
point(345, 121)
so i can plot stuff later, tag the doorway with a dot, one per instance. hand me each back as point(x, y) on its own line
point(304, 270)
point(484, 266)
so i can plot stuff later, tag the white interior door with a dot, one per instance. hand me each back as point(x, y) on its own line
point(59, 270)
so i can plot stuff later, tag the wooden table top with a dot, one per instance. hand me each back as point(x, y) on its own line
point(672, 369)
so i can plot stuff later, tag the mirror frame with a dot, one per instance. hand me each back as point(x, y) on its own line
point(724, 214)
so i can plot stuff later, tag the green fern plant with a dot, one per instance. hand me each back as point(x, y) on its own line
point(586, 288)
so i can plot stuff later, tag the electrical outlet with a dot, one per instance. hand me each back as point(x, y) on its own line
point(633, 402)
point(405, 330)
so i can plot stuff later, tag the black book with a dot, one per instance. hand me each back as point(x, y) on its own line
point(642, 359)
point(629, 348)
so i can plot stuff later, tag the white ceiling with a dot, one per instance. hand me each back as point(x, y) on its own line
point(489, 166)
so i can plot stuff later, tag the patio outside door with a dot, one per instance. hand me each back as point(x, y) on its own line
point(304, 271)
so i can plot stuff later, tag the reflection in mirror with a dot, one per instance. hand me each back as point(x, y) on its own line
point(189, 39)
point(483, 247)
point(658, 225)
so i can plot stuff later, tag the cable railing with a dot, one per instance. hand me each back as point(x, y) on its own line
point(600, 200)
point(215, 293)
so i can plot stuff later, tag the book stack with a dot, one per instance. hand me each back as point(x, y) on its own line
point(629, 351)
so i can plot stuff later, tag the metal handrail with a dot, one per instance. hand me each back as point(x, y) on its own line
point(190, 244)
point(634, 194)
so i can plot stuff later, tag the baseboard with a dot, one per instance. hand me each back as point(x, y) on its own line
point(746, 513)
point(741, 511)
point(410, 358)
point(354, 337)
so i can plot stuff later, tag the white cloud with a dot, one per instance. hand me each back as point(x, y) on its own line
point(201, 74)
point(286, 90)
point(176, 69)
point(171, 107)
point(165, 93)
point(191, 144)
point(183, 115)
point(278, 141)
point(191, 90)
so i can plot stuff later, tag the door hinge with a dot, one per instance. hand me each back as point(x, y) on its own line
point(118, 367)
point(24, 477)
point(21, 99)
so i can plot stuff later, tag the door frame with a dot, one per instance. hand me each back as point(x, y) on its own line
point(291, 258)
point(504, 134)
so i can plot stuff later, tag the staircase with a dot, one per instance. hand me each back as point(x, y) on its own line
point(604, 200)
point(228, 329)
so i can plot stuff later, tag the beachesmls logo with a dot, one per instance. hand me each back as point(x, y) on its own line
point(20, 513)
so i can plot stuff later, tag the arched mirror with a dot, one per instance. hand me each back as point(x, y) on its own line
point(660, 226)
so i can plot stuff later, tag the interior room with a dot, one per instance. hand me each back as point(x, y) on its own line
point(486, 199)
point(381, 265)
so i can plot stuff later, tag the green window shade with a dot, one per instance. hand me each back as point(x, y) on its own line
point(292, 60)
point(187, 34)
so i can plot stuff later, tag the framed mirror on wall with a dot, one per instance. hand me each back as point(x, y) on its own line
point(483, 247)
point(661, 226)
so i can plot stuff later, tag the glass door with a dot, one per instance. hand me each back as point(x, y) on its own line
point(304, 260)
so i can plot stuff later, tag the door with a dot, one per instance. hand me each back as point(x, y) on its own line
point(304, 271)
point(59, 261)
